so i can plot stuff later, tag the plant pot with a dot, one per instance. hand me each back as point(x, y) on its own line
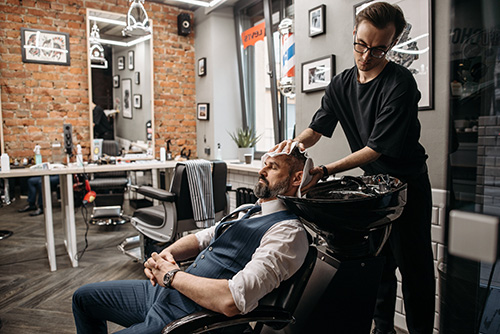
point(245, 150)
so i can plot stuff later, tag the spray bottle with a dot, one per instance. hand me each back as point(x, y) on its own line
point(38, 155)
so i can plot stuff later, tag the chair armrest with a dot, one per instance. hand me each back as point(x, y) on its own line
point(155, 193)
point(203, 321)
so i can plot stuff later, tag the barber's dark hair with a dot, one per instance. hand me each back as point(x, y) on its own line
point(381, 14)
point(296, 160)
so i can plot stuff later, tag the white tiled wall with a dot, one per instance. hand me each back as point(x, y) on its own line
point(248, 180)
point(240, 179)
point(437, 231)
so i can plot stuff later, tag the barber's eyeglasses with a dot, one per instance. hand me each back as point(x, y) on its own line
point(374, 52)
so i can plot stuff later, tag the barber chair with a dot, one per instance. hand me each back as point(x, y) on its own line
point(162, 224)
point(276, 310)
point(352, 218)
point(110, 189)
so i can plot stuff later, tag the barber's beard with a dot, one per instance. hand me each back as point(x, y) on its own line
point(263, 190)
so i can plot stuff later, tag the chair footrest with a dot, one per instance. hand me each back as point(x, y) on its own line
point(107, 211)
point(203, 321)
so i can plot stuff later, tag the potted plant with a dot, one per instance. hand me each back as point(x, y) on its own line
point(246, 140)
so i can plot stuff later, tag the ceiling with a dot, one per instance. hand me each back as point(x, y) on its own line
point(114, 32)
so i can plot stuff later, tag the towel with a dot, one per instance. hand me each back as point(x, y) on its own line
point(309, 164)
point(199, 176)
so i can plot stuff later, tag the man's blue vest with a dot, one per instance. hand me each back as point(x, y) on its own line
point(226, 255)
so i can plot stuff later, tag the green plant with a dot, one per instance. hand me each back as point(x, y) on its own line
point(245, 137)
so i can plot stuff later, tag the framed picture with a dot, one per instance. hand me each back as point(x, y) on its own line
point(130, 58)
point(137, 101)
point(121, 63)
point(414, 47)
point(137, 78)
point(45, 47)
point(127, 98)
point(203, 111)
point(116, 81)
point(202, 67)
point(317, 21)
point(317, 73)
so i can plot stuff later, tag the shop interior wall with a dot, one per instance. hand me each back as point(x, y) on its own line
point(215, 41)
point(338, 41)
point(38, 99)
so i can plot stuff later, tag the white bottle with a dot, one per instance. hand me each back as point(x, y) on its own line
point(219, 152)
point(163, 154)
point(57, 157)
point(5, 162)
point(38, 155)
point(79, 156)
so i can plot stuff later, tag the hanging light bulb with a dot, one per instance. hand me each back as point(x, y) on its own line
point(137, 20)
point(97, 59)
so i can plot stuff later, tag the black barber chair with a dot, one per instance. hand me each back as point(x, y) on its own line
point(353, 216)
point(163, 224)
point(275, 310)
point(110, 189)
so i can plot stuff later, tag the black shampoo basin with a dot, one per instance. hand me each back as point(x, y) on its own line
point(345, 211)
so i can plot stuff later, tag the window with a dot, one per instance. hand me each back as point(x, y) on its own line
point(265, 109)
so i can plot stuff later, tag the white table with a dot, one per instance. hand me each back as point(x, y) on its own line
point(67, 202)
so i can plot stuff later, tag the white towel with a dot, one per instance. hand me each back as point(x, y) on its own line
point(199, 175)
point(309, 164)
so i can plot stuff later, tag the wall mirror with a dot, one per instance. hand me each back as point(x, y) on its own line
point(120, 71)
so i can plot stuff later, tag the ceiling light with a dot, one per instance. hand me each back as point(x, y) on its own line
point(105, 20)
point(137, 20)
point(97, 59)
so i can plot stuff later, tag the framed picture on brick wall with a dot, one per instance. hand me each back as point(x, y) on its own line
point(45, 47)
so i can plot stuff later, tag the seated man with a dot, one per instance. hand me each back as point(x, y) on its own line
point(34, 191)
point(238, 262)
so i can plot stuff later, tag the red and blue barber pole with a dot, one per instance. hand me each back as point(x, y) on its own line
point(287, 78)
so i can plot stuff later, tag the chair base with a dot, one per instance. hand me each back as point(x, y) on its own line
point(108, 221)
point(107, 216)
point(131, 247)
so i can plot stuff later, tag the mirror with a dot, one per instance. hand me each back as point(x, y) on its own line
point(120, 85)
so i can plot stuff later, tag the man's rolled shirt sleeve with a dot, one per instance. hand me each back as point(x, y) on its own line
point(280, 254)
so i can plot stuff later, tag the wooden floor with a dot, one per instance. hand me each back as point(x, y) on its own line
point(35, 300)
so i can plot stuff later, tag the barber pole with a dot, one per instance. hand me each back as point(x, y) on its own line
point(287, 78)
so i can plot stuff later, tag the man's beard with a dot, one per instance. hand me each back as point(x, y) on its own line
point(263, 190)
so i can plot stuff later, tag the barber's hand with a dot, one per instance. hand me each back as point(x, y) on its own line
point(285, 146)
point(317, 174)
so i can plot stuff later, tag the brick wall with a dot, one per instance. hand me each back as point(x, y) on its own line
point(37, 99)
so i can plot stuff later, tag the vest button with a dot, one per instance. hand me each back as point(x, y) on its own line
point(203, 256)
point(210, 248)
point(194, 265)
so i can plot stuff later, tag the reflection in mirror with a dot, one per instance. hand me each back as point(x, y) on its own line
point(120, 85)
point(1, 124)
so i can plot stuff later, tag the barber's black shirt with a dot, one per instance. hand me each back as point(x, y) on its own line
point(380, 114)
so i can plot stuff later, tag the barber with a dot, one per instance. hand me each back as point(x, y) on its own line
point(376, 103)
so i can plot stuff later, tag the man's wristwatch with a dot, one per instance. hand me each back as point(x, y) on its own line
point(325, 173)
point(169, 276)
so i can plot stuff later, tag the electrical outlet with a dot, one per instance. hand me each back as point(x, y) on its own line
point(207, 150)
